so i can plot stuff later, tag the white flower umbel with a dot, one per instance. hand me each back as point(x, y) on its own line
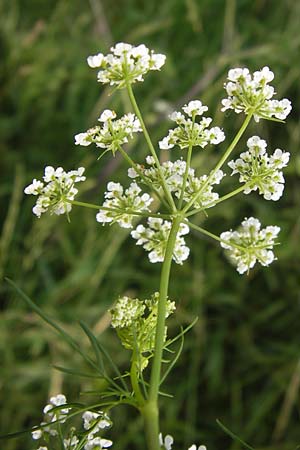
point(112, 133)
point(154, 239)
point(173, 173)
point(249, 244)
point(189, 132)
point(261, 170)
point(123, 202)
point(252, 94)
point(125, 64)
point(56, 192)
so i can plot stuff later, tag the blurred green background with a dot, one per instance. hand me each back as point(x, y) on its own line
point(241, 361)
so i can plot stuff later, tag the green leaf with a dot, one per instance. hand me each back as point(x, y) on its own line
point(105, 353)
point(233, 436)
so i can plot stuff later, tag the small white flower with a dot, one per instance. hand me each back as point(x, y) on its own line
point(95, 60)
point(82, 139)
point(195, 108)
point(249, 244)
point(36, 434)
point(167, 442)
point(42, 448)
point(35, 188)
point(165, 144)
point(107, 115)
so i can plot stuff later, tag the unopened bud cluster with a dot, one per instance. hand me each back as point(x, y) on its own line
point(135, 322)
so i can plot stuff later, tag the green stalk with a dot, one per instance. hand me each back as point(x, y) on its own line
point(221, 162)
point(220, 199)
point(139, 171)
point(135, 381)
point(150, 411)
point(186, 174)
point(117, 210)
point(150, 145)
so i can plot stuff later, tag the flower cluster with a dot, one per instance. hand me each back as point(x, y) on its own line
point(173, 173)
point(112, 134)
point(57, 191)
point(189, 132)
point(126, 64)
point(56, 414)
point(154, 239)
point(135, 322)
point(122, 204)
point(249, 244)
point(167, 443)
point(253, 94)
point(261, 170)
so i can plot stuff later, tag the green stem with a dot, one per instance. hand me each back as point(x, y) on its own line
point(217, 238)
point(116, 210)
point(150, 145)
point(221, 162)
point(140, 172)
point(150, 411)
point(219, 200)
point(135, 381)
point(186, 174)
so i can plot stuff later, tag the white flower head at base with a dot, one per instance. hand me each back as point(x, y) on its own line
point(189, 132)
point(252, 94)
point(167, 442)
point(122, 204)
point(97, 443)
point(57, 191)
point(250, 244)
point(261, 171)
point(112, 133)
point(154, 239)
point(125, 64)
point(54, 411)
point(173, 173)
